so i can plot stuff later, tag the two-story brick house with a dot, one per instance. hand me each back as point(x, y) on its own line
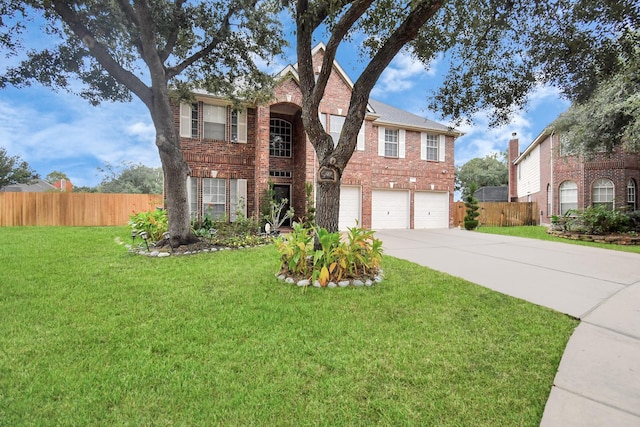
point(558, 180)
point(401, 174)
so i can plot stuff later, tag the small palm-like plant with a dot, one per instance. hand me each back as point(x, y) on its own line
point(335, 260)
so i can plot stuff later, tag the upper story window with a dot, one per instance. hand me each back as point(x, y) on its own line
point(213, 123)
point(336, 123)
point(239, 126)
point(391, 142)
point(280, 138)
point(214, 119)
point(603, 191)
point(432, 147)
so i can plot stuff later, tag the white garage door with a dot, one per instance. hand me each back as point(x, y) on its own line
point(431, 210)
point(350, 201)
point(389, 209)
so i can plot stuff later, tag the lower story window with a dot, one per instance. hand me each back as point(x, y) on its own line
point(603, 193)
point(632, 195)
point(214, 196)
point(568, 196)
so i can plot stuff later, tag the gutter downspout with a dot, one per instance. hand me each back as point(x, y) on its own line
point(551, 180)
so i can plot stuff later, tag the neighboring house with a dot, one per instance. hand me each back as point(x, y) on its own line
point(492, 194)
point(37, 186)
point(557, 180)
point(63, 185)
point(401, 174)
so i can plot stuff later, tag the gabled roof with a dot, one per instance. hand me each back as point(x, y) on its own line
point(38, 186)
point(543, 135)
point(390, 115)
point(383, 113)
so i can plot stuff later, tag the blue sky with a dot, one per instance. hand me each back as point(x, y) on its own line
point(60, 131)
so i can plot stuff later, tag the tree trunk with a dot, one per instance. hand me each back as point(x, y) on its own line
point(176, 171)
point(328, 205)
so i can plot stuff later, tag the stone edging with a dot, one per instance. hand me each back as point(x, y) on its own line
point(615, 239)
point(341, 284)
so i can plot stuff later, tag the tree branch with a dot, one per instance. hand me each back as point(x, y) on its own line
point(100, 53)
point(217, 38)
point(178, 16)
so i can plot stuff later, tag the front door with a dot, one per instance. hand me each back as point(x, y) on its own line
point(283, 192)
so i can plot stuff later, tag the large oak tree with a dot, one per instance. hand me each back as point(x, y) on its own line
point(498, 51)
point(150, 49)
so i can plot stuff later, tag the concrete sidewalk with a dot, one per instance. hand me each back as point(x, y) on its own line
point(598, 380)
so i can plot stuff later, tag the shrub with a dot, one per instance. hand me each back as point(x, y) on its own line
point(471, 203)
point(359, 256)
point(600, 220)
point(154, 223)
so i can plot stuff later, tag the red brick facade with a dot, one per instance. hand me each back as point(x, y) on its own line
point(556, 168)
point(251, 161)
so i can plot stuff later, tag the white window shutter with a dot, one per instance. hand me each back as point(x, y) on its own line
point(423, 146)
point(401, 144)
point(381, 141)
point(361, 146)
point(185, 120)
point(242, 126)
point(441, 148)
point(242, 195)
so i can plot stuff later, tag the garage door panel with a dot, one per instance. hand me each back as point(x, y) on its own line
point(389, 209)
point(431, 210)
point(350, 207)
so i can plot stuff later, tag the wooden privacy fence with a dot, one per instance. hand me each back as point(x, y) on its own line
point(502, 214)
point(73, 209)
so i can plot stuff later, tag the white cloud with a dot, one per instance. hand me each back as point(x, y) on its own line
point(59, 131)
point(480, 139)
point(403, 74)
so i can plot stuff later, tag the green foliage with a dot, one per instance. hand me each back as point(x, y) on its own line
point(357, 257)
point(309, 219)
point(55, 176)
point(14, 170)
point(242, 232)
point(273, 211)
point(486, 171)
point(130, 178)
point(471, 204)
point(154, 223)
point(597, 220)
point(608, 119)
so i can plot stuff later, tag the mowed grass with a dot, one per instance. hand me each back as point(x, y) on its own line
point(540, 232)
point(92, 335)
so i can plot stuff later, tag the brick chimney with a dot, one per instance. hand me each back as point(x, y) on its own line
point(514, 152)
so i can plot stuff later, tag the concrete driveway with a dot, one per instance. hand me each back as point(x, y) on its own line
point(598, 381)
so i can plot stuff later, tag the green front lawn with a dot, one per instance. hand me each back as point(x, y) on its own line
point(92, 335)
point(540, 232)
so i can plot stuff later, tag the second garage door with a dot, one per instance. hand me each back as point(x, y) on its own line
point(390, 209)
point(431, 210)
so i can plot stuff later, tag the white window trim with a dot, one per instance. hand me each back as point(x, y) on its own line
point(424, 148)
point(382, 142)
